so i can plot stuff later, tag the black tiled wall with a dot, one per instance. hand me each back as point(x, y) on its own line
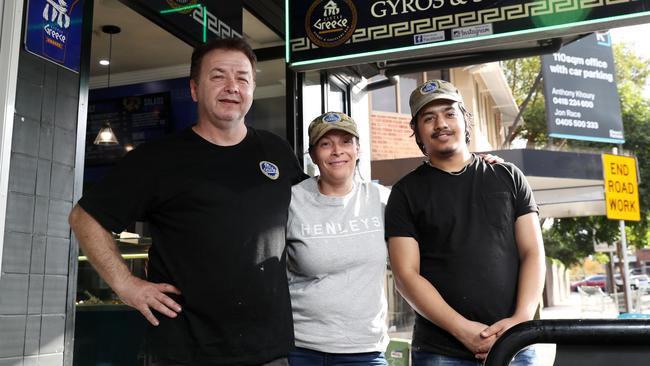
point(37, 237)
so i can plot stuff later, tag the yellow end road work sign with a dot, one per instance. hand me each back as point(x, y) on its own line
point(621, 193)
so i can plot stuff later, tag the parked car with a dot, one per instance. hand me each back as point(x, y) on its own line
point(595, 280)
point(636, 281)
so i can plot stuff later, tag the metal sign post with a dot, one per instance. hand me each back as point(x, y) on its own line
point(612, 278)
point(626, 269)
point(622, 201)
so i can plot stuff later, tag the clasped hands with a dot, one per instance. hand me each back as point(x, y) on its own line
point(479, 338)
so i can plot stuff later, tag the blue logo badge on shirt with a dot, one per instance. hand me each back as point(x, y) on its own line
point(269, 169)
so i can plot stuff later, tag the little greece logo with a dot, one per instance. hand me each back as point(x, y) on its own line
point(330, 23)
point(269, 169)
point(428, 87)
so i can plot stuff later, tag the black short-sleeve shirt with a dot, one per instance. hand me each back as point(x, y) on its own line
point(464, 225)
point(218, 216)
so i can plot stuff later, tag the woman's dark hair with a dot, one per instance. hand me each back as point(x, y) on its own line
point(230, 44)
point(467, 116)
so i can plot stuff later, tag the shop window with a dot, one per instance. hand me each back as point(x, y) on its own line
point(312, 106)
point(337, 95)
point(437, 74)
point(407, 83)
point(401, 316)
point(389, 100)
point(384, 99)
point(268, 111)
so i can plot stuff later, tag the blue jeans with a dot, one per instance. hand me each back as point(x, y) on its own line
point(276, 362)
point(525, 357)
point(307, 357)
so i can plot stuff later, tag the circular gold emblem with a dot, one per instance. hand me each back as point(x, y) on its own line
point(330, 23)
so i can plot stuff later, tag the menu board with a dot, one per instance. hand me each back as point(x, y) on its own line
point(134, 120)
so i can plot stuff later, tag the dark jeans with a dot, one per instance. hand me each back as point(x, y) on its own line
point(307, 357)
point(278, 362)
point(525, 357)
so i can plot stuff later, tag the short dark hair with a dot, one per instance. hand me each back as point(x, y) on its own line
point(230, 44)
point(467, 116)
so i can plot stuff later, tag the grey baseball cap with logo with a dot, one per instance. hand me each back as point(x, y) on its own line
point(331, 121)
point(430, 91)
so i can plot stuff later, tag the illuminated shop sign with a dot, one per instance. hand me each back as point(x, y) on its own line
point(193, 13)
point(53, 31)
point(328, 33)
point(193, 21)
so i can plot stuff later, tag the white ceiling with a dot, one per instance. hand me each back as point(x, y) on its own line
point(143, 51)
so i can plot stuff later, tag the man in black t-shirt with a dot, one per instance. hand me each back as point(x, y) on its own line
point(464, 238)
point(216, 198)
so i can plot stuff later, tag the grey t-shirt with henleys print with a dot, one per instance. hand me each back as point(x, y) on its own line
point(336, 267)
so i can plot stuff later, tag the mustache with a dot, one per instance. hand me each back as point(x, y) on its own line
point(444, 131)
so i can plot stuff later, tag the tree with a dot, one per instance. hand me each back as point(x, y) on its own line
point(521, 74)
point(571, 239)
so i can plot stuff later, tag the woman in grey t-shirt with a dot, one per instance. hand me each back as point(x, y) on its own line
point(337, 254)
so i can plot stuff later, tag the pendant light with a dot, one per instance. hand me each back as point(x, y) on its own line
point(106, 136)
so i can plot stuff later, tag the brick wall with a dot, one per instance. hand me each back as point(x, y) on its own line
point(390, 136)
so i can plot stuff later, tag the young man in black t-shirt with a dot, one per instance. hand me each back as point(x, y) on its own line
point(464, 238)
point(216, 197)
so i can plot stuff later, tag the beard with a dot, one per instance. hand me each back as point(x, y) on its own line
point(445, 151)
point(442, 153)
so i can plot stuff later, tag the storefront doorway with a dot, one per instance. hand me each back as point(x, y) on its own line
point(139, 87)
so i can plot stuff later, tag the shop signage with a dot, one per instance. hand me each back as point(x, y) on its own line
point(53, 31)
point(329, 33)
point(580, 90)
point(621, 188)
point(194, 21)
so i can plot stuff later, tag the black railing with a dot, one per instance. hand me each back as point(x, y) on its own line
point(600, 334)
